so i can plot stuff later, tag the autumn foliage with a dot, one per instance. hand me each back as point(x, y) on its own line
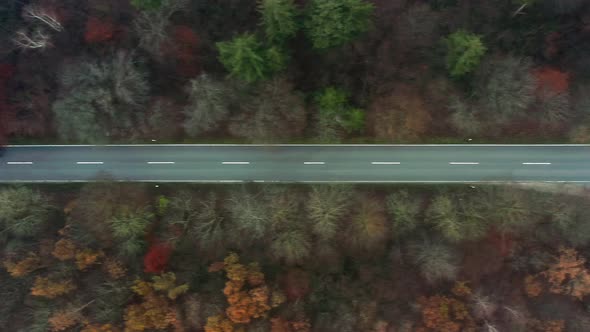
point(568, 275)
point(551, 81)
point(64, 250)
point(44, 287)
point(447, 314)
point(184, 50)
point(154, 312)
point(98, 31)
point(63, 320)
point(246, 292)
point(22, 268)
point(156, 260)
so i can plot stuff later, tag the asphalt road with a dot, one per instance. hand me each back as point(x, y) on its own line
point(297, 163)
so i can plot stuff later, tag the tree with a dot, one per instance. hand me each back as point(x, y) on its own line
point(464, 118)
point(210, 225)
point(273, 111)
point(98, 31)
point(64, 250)
point(436, 261)
point(368, 228)
point(129, 228)
point(153, 312)
point(247, 294)
point(445, 314)
point(336, 115)
point(404, 210)
point(249, 215)
point(209, 102)
point(400, 115)
point(247, 59)
point(23, 267)
point(505, 87)
point(331, 23)
point(464, 52)
point(152, 26)
point(44, 287)
point(568, 275)
point(279, 19)
point(327, 205)
point(99, 98)
point(291, 247)
point(443, 214)
point(156, 259)
point(24, 212)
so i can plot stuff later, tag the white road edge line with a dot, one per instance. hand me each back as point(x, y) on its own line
point(89, 162)
point(536, 163)
point(314, 163)
point(386, 163)
point(19, 163)
point(160, 162)
point(463, 163)
point(235, 163)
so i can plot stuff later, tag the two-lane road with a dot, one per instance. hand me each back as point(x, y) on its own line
point(297, 163)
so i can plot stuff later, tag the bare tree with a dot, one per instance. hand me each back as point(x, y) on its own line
point(38, 39)
point(42, 14)
point(152, 26)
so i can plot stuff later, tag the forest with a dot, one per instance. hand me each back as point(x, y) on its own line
point(282, 71)
point(112, 256)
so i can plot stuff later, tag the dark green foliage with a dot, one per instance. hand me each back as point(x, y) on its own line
point(247, 59)
point(110, 299)
point(279, 19)
point(129, 228)
point(24, 212)
point(336, 115)
point(12, 292)
point(464, 52)
point(331, 23)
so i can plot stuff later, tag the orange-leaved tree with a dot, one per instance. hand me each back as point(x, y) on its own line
point(24, 267)
point(45, 287)
point(568, 275)
point(247, 294)
point(155, 311)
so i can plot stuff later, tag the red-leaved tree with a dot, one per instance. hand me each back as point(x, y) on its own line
point(184, 50)
point(551, 81)
point(98, 31)
point(156, 260)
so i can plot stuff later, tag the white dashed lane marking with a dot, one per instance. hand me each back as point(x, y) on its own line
point(314, 163)
point(464, 163)
point(536, 163)
point(236, 163)
point(160, 162)
point(19, 163)
point(385, 163)
point(89, 162)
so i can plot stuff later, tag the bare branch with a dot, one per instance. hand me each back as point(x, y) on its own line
point(36, 12)
point(38, 39)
